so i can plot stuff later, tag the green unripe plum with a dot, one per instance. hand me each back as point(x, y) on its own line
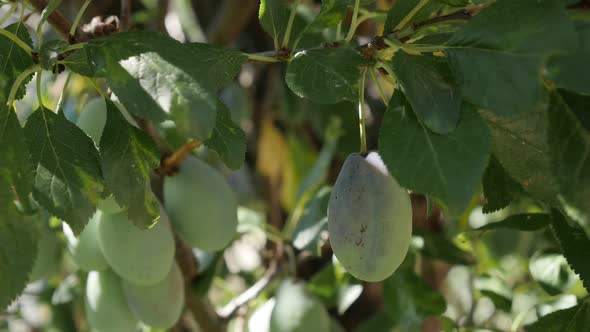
point(109, 205)
point(93, 119)
point(143, 257)
point(106, 306)
point(160, 305)
point(369, 219)
point(296, 310)
point(201, 205)
point(85, 249)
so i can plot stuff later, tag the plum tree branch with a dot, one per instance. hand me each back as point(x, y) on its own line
point(60, 23)
point(250, 294)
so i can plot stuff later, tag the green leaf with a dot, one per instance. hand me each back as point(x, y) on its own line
point(550, 270)
point(498, 187)
point(402, 8)
point(448, 167)
point(496, 290)
point(156, 77)
point(379, 322)
point(274, 17)
point(331, 14)
point(408, 299)
point(438, 246)
point(313, 220)
point(18, 251)
point(15, 167)
point(228, 139)
point(579, 105)
point(528, 222)
point(327, 75)
point(68, 179)
point(569, 71)
point(575, 246)
point(49, 53)
point(574, 319)
point(570, 152)
point(455, 3)
point(520, 144)
point(497, 57)
point(13, 59)
point(434, 99)
point(128, 156)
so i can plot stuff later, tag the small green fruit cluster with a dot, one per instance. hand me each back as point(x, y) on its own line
point(132, 275)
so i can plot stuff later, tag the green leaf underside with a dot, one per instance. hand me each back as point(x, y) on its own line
point(128, 157)
point(157, 77)
point(14, 60)
point(68, 179)
point(567, 70)
point(435, 101)
point(18, 251)
point(498, 187)
point(521, 222)
point(447, 167)
point(573, 319)
point(497, 58)
point(575, 246)
point(15, 167)
point(520, 144)
point(327, 75)
point(228, 139)
point(570, 153)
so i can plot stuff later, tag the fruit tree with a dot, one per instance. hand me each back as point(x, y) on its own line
point(295, 165)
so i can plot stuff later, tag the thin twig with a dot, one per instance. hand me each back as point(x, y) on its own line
point(250, 294)
point(125, 15)
point(60, 23)
point(171, 163)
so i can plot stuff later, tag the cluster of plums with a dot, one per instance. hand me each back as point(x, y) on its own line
point(132, 273)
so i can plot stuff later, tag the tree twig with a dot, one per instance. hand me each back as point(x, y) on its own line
point(251, 293)
point(60, 23)
point(171, 163)
point(125, 15)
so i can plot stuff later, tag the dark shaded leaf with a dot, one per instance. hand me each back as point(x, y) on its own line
point(574, 319)
point(68, 178)
point(128, 156)
point(498, 187)
point(520, 144)
point(436, 102)
point(326, 76)
point(448, 167)
point(570, 154)
point(520, 222)
point(15, 167)
point(497, 57)
point(575, 246)
point(13, 59)
point(570, 71)
point(19, 237)
point(227, 139)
